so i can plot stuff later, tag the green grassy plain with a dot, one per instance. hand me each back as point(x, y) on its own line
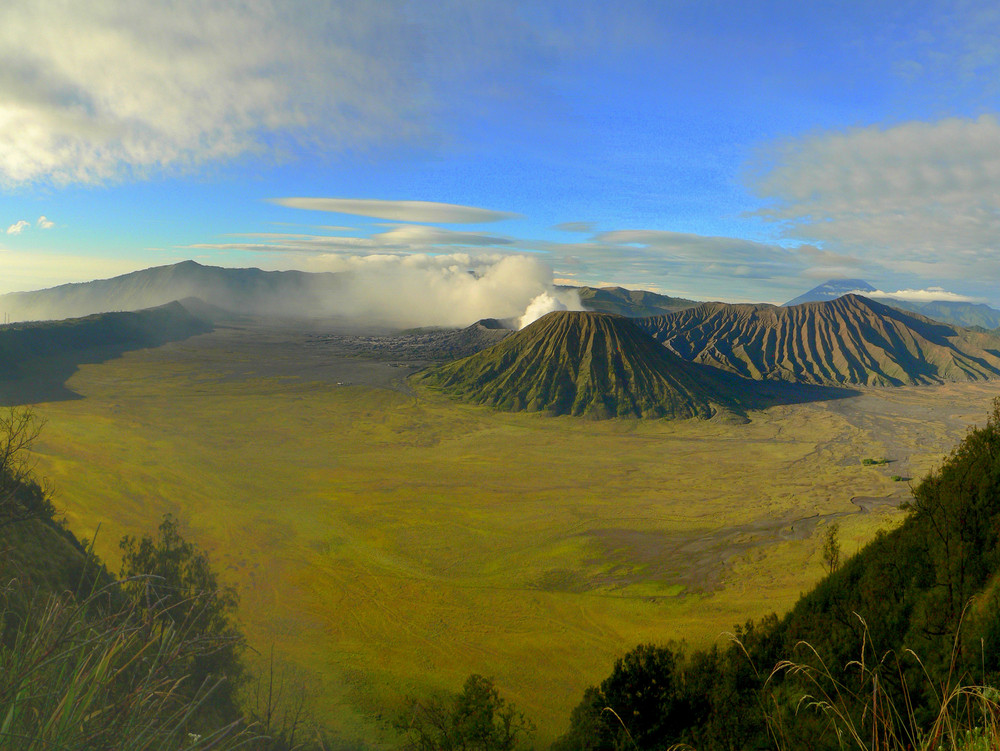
point(389, 544)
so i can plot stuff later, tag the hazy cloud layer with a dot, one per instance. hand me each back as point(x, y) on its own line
point(36, 270)
point(677, 262)
point(575, 226)
point(403, 238)
point(920, 198)
point(401, 211)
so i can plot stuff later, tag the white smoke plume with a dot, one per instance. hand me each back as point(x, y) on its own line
point(539, 306)
point(443, 290)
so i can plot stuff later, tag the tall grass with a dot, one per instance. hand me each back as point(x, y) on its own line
point(90, 675)
point(873, 705)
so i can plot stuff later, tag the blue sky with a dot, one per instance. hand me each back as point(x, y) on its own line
point(710, 150)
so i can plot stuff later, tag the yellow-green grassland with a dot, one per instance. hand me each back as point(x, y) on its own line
point(388, 542)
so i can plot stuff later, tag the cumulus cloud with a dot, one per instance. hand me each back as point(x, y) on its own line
point(44, 223)
point(97, 91)
point(18, 227)
point(413, 275)
point(403, 211)
point(916, 197)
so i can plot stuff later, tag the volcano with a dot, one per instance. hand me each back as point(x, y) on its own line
point(586, 364)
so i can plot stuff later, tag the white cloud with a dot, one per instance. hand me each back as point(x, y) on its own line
point(920, 198)
point(931, 294)
point(402, 211)
point(575, 226)
point(44, 222)
point(101, 90)
point(18, 227)
point(418, 235)
point(106, 90)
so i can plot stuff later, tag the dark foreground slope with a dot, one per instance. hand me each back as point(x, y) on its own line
point(37, 358)
point(580, 363)
point(849, 340)
point(889, 646)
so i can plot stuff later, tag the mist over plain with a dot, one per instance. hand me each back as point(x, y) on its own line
point(452, 290)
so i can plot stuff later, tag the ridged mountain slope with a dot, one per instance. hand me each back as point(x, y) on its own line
point(850, 340)
point(584, 363)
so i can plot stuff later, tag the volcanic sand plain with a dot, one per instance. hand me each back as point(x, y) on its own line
point(387, 541)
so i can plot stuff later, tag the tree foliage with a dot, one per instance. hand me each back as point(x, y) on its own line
point(477, 719)
point(21, 496)
point(173, 585)
point(831, 548)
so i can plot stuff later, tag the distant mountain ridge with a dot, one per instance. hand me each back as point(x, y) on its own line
point(831, 290)
point(249, 291)
point(584, 364)
point(846, 341)
point(630, 303)
point(966, 314)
